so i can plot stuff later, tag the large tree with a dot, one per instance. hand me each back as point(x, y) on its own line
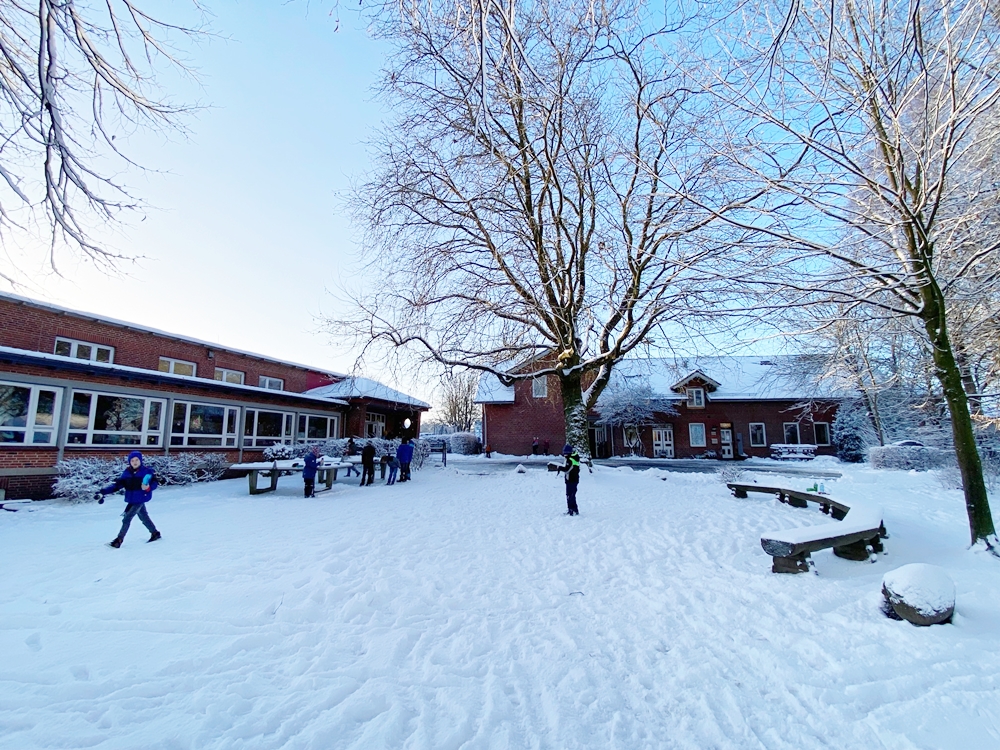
point(526, 215)
point(869, 126)
point(74, 78)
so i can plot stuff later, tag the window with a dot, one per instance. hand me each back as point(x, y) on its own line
point(84, 350)
point(374, 425)
point(229, 376)
point(28, 414)
point(758, 436)
point(203, 425)
point(791, 433)
point(317, 428)
point(696, 398)
point(110, 419)
point(263, 428)
point(539, 387)
point(696, 435)
point(275, 384)
point(177, 366)
point(822, 430)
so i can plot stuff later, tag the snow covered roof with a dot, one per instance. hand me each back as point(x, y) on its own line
point(713, 385)
point(748, 378)
point(114, 369)
point(157, 332)
point(358, 387)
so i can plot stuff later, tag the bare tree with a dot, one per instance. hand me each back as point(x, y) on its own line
point(458, 400)
point(526, 218)
point(868, 132)
point(73, 78)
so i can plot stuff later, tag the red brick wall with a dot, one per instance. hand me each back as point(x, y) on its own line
point(25, 326)
point(510, 428)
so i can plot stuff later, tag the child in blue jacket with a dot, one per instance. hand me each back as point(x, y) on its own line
point(138, 481)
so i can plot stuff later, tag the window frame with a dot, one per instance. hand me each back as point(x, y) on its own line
point(228, 438)
point(263, 381)
point(763, 434)
point(540, 387)
point(257, 441)
point(172, 362)
point(704, 435)
point(75, 345)
point(333, 430)
point(826, 426)
point(223, 371)
point(784, 433)
point(695, 398)
point(378, 420)
point(148, 437)
point(31, 427)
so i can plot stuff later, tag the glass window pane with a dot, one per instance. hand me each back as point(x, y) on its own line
point(119, 414)
point(302, 426)
point(11, 436)
point(164, 365)
point(177, 440)
point(83, 351)
point(219, 374)
point(117, 439)
point(14, 406)
point(206, 420)
point(153, 440)
point(79, 417)
point(180, 418)
point(43, 438)
point(317, 428)
point(248, 422)
point(791, 433)
point(63, 348)
point(183, 368)
point(234, 377)
point(77, 438)
point(103, 355)
point(269, 424)
point(204, 441)
point(155, 408)
point(45, 411)
point(231, 422)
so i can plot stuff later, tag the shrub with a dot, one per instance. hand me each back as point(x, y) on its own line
point(907, 457)
point(80, 478)
point(465, 443)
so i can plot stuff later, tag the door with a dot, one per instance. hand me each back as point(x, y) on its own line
point(726, 443)
point(663, 441)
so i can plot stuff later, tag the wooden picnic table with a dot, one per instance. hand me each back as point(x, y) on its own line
point(326, 471)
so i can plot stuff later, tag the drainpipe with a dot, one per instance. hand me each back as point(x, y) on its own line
point(62, 429)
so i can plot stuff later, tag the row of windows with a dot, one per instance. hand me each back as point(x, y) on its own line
point(758, 434)
point(30, 413)
point(99, 353)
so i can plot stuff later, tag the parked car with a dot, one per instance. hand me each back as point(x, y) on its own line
point(909, 444)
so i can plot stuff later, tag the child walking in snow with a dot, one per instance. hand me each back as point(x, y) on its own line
point(572, 469)
point(138, 481)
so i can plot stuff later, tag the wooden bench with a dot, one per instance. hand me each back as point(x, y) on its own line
point(326, 472)
point(793, 451)
point(856, 535)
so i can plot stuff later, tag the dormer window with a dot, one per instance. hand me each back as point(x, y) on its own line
point(696, 398)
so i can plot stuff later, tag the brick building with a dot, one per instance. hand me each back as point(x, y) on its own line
point(724, 407)
point(76, 384)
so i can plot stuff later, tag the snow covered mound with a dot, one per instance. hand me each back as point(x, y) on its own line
point(920, 593)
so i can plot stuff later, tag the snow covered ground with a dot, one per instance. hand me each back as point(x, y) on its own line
point(464, 611)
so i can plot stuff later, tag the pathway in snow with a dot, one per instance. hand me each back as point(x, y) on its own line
point(463, 611)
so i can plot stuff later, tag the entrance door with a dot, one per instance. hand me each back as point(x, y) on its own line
point(726, 443)
point(663, 441)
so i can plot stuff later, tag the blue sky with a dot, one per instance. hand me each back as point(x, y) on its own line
point(248, 235)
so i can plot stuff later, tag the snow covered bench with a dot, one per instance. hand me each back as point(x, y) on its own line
point(793, 451)
point(856, 534)
point(326, 472)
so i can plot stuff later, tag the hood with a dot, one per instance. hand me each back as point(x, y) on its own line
point(135, 454)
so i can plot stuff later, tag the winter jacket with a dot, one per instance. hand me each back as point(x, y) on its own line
point(404, 453)
point(572, 468)
point(309, 470)
point(368, 455)
point(132, 480)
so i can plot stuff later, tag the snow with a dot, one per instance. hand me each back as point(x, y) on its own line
point(463, 610)
point(358, 387)
point(863, 516)
point(926, 588)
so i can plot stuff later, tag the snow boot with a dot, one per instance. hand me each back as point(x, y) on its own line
point(154, 536)
point(116, 543)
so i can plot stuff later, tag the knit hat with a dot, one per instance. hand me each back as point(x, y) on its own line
point(567, 449)
point(135, 454)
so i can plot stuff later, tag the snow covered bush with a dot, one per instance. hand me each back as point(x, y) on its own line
point(853, 432)
point(465, 443)
point(80, 478)
point(280, 452)
point(730, 473)
point(910, 457)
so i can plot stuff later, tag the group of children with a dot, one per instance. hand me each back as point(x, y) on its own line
point(139, 481)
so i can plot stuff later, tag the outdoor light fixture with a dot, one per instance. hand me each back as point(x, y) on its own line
point(406, 423)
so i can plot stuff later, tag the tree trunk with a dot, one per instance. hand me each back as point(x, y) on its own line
point(969, 464)
point(575, 414)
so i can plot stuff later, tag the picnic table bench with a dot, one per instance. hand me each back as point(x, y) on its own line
point(793, 451)
point(856, 535)
point(326, 472)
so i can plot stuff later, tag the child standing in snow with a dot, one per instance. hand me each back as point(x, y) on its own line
point(404, 454)
point(309, 471)
point(393, 463)
point(572, 469)
point(138, 481)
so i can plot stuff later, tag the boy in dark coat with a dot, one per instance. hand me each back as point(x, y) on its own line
point(367, 464)
point(572, 469)
point(309, 471)
point(404, 454)
point(138, 482)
